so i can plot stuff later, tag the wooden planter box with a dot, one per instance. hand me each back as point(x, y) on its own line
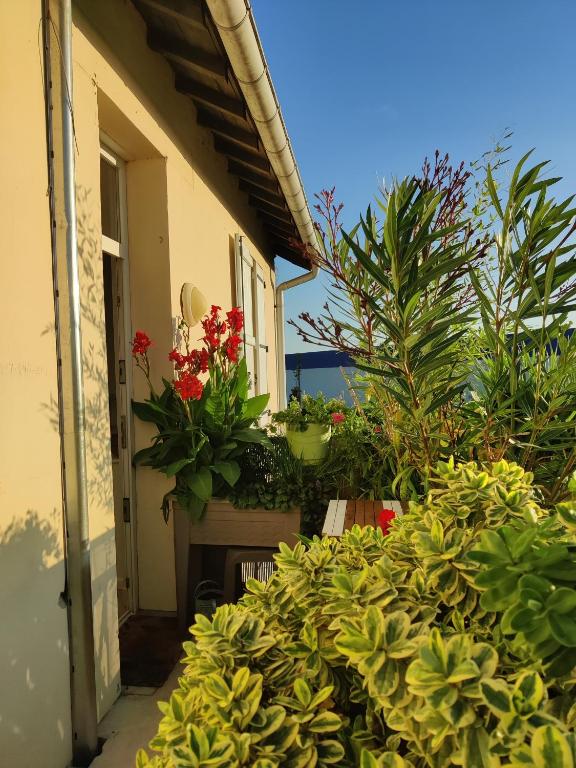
point(224, 525)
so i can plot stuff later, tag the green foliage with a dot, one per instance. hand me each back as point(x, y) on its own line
point(524, 380)
point(527, 573)
point(455, 303)
point(308, 410)
point(358, 462)
point(200, 442)
point(422, 316)
point(273, 478)
point(375, 651)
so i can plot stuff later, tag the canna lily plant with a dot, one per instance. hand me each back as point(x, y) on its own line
point(204, 417)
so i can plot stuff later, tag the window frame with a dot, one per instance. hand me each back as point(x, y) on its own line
point(257, 299)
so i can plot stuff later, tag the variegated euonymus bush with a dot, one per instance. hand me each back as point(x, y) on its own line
point(448, 642)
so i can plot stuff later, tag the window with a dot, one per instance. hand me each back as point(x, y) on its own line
point(112, 203)
point(250, 296)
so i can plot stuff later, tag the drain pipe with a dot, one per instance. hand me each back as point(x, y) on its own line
point(237, 29)
point(78, 588)
point(84, 712)
point(280, 338)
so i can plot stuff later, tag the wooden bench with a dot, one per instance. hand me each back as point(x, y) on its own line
point(342, 514)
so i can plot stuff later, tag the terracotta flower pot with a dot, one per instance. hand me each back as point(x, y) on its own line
point(311, 445)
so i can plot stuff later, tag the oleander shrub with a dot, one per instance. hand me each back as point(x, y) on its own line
point(454, 295)
point(447, 642)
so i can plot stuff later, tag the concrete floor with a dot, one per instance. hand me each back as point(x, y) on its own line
point(132, 722)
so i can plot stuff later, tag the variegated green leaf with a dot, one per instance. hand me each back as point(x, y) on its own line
point(550, 749)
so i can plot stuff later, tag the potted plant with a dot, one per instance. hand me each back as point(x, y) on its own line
point(308, 424)
point(204, 417)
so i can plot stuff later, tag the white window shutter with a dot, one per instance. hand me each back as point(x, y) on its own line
point(262, 347)
point(245, 300)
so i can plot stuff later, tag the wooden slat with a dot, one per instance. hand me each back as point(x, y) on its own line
point(378, 507)
point(216, 99)
point(262, 194)
point(256, 178)
point(342, 515)
point(350, 514)
point(281, 228)
point(184, 11)
point(359, 517)
point(234, 151)
point(281, 235)
point(282, 243)
point(271, 210)
point(224, 128)
point(284, 250)
point(374, 511)
point(329, 519)
point(367, 511)
point(184, 53)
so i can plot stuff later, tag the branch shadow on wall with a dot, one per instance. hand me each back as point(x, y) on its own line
point(34, 665)
point(94, 366)
point(98, 452)
point(94, 353)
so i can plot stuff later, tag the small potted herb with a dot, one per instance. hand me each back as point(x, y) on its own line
point(308, 423)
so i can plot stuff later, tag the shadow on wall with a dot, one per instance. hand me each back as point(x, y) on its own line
point(34, 665)
point(98, 452)
point(98, 455)
point(100, 489)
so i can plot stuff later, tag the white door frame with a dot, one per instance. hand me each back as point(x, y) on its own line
point(119, 249)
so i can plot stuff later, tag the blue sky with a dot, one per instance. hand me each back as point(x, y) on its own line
point(369, 88)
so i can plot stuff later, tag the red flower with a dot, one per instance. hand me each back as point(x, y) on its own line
point(177, 358)
point(235, 319)
point(378, 430)
point(231, 346)
point(189, 386)
point(203, 360)
point(140, 343)
point(212, 340)
point(338, 418)
point(213, 328)
point(385, 520)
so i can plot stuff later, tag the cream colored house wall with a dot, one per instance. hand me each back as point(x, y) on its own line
point(183, 212)
point(34, 666)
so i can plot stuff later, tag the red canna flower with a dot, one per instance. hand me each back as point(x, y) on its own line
point(338, 418)
point(140, 343)
point(231, 347)
point(385, 520)
point(203, 360)
point(189, 386)
point(177, 358)
point(235, 319)
point(213, 329)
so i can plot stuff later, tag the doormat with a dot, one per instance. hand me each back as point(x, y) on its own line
point(150, 647)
